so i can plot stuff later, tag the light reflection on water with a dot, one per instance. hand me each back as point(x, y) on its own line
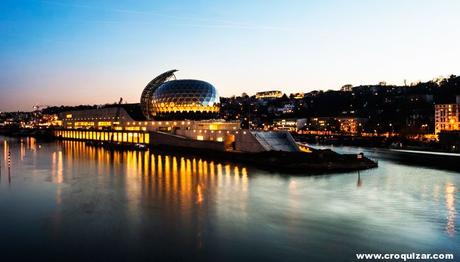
point(68, 196)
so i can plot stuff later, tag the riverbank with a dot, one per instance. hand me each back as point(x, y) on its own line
point(419, 158)
point(45, 134)
point(375, 142)
point(315, 161)
point(318, 161)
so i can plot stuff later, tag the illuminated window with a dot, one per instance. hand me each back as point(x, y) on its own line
point(104, 123)
point(200, 138)
point(220, 139)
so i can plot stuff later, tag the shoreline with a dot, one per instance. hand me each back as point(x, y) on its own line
point(373, 142)
point(319, 161)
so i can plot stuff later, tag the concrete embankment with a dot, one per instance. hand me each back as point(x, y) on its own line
point(289, 161)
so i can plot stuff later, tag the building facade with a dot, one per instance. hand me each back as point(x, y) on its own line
point(291, 125)
point(172, 113)
point(447, 117)
point(269, 94)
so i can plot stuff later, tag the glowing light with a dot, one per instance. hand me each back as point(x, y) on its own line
point(450, 205)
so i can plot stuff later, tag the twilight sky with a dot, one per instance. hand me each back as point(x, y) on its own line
point(70, 52)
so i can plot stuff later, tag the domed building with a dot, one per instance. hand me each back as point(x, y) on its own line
point(171, 113)
point(167, 98)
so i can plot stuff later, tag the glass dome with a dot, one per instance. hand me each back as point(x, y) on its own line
point(192, 99)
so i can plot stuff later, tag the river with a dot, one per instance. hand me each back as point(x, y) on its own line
point(69, 201)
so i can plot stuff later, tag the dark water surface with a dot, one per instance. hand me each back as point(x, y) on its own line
point(69, 201)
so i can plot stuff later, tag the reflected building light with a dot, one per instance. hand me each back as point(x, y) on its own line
point(183, 174)
point(199, 197)
point(205, 168)
point(174, 165)
point(194, 167)
point(160, 167)
point(227, 174)
point(219, 174)
point(22, 151)
point(211, 168)
point(200, 167)
point(189, 173)
point(60, 169)
point(244, 178)
point(451, 211)
point(167, 174)
point(146, 163)
point(236, 170)
point(130, 163)
point(53, 165)
point(5, 150)
point(152, 163)
point(182, 179)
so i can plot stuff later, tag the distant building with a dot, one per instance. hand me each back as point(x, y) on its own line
point(298, 95)
point(427, 98)
point(334, 125)
point(447, 117)
point(172, 113)
point(269, 94)
point(291, 125)
point(286, 109)
point(351, 125)
point(347, 88)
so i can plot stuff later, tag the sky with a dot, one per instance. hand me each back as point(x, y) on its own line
point(70, 52)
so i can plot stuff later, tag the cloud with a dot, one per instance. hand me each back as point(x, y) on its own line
point(197, 22)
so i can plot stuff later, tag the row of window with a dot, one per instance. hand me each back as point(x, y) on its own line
point(443, 119)
point(125, 137)
point(444, 113)
point(449, 127)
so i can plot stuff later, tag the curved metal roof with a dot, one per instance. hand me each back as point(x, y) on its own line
point(146, 105)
